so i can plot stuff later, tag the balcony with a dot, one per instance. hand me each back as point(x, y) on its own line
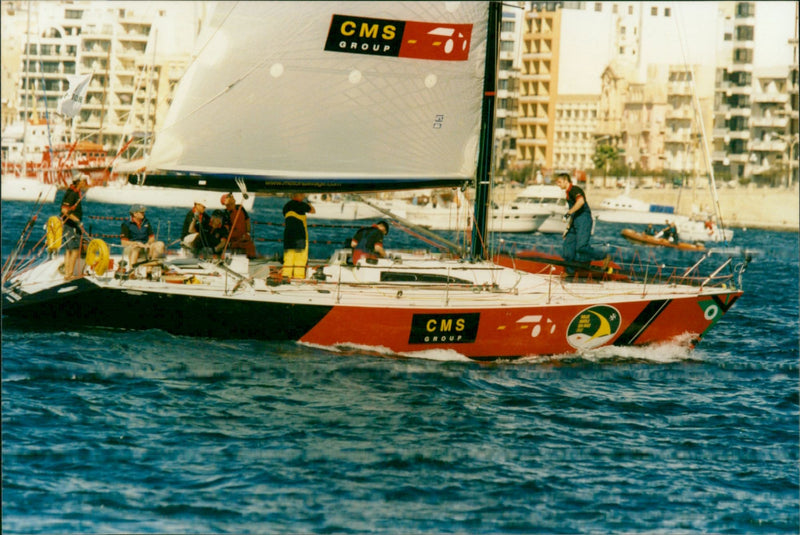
point(679, 88)
point(533, 120)
point(535, 77)
point(769, 122)
point(739, 134)
point(775, 145)
point(777, 98)
point(740, 66)
point(739, 90)
point(532, 142)
point(133, 37)
point(719, 155)
point(677, 137)
point(742, 112)
point(533, 98)
point(537, 55)
point(506, 55)
point(679, 113)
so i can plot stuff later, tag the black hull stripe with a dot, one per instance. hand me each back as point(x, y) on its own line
point(91, 306)
point(642, 321)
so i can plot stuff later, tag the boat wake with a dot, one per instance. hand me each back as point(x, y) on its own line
point(676, 350)
point(440, 355)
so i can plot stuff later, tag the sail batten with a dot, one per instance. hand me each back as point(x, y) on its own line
point(332, 89)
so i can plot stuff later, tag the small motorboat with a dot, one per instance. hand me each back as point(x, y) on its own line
point(647, 239)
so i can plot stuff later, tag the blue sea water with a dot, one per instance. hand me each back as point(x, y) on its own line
point(109, 431)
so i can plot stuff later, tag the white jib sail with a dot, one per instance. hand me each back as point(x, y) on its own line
point(331, 89)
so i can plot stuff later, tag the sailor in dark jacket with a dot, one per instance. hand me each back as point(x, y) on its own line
point(368, 242)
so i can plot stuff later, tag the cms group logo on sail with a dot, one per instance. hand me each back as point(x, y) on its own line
point(396, 38)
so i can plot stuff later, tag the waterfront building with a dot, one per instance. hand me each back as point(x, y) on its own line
point(575, 126)
point(652, 67)
point(136, 53)
point(754, 109)
point(508, 70)
point(769, 119)
point(568, 49)
point(689, 117)
point(734, 86)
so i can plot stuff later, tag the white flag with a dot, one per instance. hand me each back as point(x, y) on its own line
point(70, 104)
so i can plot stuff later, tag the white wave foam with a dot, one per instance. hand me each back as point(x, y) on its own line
point(442, 355)
point(676, 350)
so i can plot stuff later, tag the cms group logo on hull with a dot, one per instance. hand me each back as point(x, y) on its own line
point(397, 38)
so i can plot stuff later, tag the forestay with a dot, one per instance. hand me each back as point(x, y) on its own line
point(330, 95)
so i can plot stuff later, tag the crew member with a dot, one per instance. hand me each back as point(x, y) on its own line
point(295, 236)
point(579, 226)
point(237, 221)
point(138, 236)
point(194, 233)
point(367, 242)
point(71, 215)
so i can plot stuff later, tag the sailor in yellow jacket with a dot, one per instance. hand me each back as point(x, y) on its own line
point(295, 236)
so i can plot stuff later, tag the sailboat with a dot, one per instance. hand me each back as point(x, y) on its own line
point(357, 96)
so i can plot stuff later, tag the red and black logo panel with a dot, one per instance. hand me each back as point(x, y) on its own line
point(396, 38)
point(444, 328)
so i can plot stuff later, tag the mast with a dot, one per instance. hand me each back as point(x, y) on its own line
point(698, 111)
point(483, 178)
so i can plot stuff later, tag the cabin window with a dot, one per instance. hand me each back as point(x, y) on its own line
point(397, 276)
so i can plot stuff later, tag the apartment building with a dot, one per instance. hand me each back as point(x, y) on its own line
point(734, 86)
point(688, 119)
point(508, 70)
point(769, 119)
point(643, 120)
point(575, 127)
point(567, 49)
point(665, 74)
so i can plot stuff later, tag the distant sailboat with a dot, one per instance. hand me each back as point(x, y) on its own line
point(360, 96)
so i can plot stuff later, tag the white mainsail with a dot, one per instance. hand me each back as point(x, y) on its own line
point(346, 91)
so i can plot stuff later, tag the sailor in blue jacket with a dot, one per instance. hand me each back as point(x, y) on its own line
point(137, 236)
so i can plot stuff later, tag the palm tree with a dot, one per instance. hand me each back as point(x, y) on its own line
point(604, 156)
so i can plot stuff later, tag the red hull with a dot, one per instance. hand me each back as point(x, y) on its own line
point(523, 331)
